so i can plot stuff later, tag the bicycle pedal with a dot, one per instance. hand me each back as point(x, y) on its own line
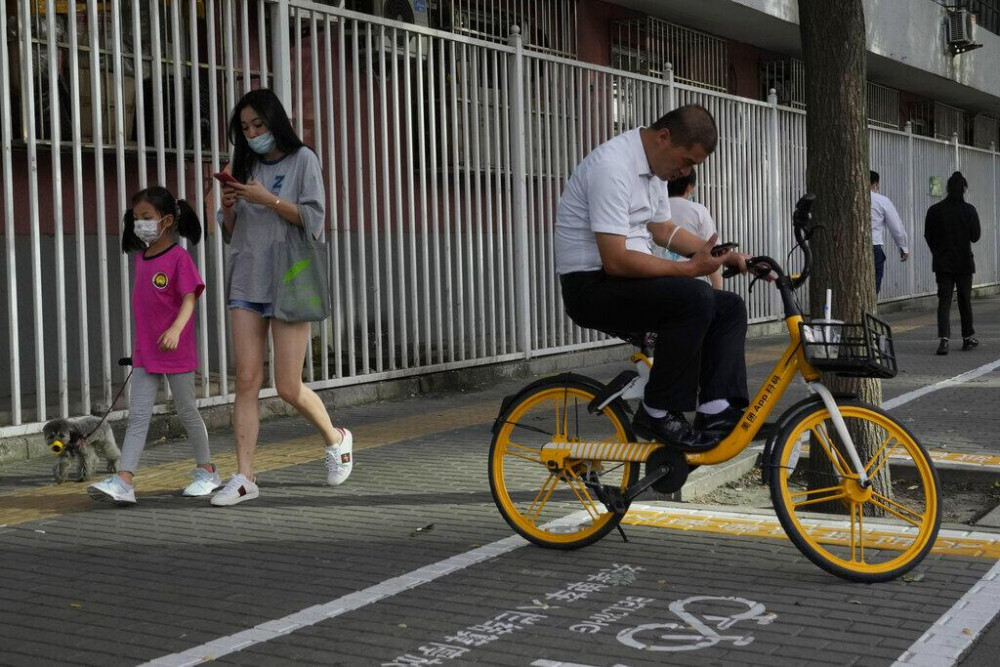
point(612, 390)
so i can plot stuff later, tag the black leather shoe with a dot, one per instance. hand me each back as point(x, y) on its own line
point(671, 430)
point(718, 425)
point(969, 343)
point(943, 347)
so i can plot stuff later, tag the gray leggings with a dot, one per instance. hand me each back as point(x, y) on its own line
point(144, 387)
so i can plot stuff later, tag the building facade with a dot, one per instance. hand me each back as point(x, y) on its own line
point(446, 136)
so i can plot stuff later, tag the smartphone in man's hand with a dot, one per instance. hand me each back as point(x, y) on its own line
point(723, 248)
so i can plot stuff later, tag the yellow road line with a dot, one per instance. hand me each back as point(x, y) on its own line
point(28, 504)
point(949, 542)
point(983, 460)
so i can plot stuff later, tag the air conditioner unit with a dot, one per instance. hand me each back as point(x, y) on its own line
point(961, 28)
point(404, 11)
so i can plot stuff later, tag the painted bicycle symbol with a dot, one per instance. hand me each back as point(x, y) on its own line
point(696, 631)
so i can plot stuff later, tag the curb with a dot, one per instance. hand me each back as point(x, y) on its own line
point(706, 479)
point(991, 519)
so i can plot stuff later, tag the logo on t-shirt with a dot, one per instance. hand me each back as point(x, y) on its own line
point(278, 180)
point(160, 280)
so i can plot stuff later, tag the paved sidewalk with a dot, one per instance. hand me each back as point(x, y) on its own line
point(410, 563)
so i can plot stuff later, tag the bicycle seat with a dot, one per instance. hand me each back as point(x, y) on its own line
point(643, 341)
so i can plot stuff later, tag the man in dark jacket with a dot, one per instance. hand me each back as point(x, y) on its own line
point(951, 227)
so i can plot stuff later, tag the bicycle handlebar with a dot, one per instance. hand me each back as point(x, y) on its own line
point(804, 227)
point(762, 265)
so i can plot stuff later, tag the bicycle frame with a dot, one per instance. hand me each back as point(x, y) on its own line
point(792, 362)
point(593, 468)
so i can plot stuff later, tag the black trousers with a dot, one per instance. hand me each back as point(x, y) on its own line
point(699, 353)
point(947, 282)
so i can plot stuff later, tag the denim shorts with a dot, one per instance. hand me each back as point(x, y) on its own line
point(265, 310)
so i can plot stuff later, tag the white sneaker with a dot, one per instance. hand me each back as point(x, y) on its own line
point(236, 490)
point(340, 459)
point(204, 483)
point(114, 489)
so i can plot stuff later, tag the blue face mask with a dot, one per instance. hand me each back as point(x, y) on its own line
point(262, 144)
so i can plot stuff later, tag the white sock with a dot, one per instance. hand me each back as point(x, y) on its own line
point(713, 407)
point(653, 412)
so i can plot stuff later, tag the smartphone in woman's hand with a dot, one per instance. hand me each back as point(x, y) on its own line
point(226, 178)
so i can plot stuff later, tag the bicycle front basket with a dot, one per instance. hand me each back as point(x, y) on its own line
point(852, 349)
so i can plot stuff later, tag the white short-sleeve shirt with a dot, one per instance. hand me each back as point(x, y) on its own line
point(612, 191)
point(693, 217)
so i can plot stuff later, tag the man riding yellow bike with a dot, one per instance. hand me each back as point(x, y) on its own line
point(613, 206)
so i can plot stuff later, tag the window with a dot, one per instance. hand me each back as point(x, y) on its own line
point(145, 79)
point(646, 45)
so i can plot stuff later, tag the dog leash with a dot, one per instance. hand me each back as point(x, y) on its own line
point(124, 361)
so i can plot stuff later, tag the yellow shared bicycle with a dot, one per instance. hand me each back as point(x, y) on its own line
point(564, 463)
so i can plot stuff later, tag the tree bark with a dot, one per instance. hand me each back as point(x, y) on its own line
point(833, 46)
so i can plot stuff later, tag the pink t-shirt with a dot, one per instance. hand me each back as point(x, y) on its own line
point(161, 283)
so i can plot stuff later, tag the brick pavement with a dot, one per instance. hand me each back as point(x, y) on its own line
point(100, 585)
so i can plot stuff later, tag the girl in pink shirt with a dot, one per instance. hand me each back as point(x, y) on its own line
point(167, 284)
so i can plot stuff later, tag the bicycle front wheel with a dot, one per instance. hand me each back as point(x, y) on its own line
point(857, 533)
point(553, 506)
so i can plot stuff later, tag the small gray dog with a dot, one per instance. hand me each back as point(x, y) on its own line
point(76, 439)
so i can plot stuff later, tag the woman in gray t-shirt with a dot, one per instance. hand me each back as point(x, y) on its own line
point(278, 191)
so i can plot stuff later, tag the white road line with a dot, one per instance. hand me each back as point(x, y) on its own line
point(943, 384)
point(319, 613)
point(957, 629)
point(556, 663)
point(954, 632)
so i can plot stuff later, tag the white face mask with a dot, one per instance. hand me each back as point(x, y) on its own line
point(148, 231)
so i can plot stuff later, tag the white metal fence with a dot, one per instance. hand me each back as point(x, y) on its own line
point(444, 158)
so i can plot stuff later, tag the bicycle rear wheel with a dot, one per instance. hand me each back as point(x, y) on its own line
point(860, 534)
point(552, 506)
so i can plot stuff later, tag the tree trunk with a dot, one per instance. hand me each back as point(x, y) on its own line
point(833, 46)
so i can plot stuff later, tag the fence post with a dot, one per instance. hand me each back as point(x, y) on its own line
point(668, 76)
point(776, 229)
point(911, 197)
point(996, 214)
point(281, 49)
point(519, 193)
point(10, 251)
point(954, 142)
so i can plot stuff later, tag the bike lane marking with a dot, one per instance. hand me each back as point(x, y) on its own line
point(318, 613)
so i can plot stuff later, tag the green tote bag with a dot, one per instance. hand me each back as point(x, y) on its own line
point(301, 279)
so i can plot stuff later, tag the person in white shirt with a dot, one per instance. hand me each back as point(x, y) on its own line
point(693, 217)
point(884, 216)
point(611, 281)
